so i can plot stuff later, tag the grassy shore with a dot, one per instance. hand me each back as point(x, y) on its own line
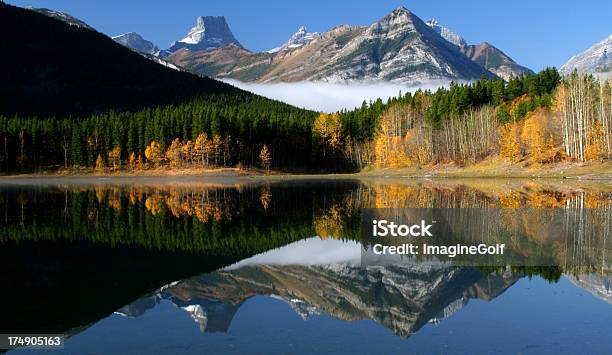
point(489, 168)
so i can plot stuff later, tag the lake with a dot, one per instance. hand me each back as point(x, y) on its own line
point(274, 265)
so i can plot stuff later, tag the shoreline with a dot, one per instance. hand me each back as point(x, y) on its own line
point(487, 169)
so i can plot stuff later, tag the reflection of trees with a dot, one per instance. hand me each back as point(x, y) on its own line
point(206, 218)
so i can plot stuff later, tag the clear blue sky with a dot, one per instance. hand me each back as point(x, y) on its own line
point(534, 33)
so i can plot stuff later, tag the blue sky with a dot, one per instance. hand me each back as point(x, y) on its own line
point(534, 33)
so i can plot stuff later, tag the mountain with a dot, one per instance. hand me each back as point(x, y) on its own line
point(60, 69)
point(398, 48)
point(446, 33)
point(595, 60)
point(210, 32)
point(298, 39)
point(485, 54)
point(494, 60)
point(135, 41)
point(62, 16)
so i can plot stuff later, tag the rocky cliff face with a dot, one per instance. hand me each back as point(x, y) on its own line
point(595, 60)
point(210, 32)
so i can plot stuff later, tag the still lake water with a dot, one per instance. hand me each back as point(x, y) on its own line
point(185, 265)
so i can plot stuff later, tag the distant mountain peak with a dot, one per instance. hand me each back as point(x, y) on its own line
point(135, 41)
point(494, 60)
point(595, 60)
point(300, 38)
point(210, 32)
point(446, 33)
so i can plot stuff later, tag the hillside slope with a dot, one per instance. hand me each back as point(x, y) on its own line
point(54, 68)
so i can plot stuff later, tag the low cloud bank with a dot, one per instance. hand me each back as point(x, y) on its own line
point(329, 97)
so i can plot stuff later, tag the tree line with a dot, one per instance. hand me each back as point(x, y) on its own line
point(536, 118)
point(218, 130)
point(539, 118)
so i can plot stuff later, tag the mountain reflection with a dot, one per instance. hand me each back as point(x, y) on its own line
point(327, 279)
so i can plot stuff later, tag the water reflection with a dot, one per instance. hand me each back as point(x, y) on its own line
point(94, 249)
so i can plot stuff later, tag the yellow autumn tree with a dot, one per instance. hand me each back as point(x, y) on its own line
point(132, 161)
point(215, 147)
point(594, 150)
point(187, 151)
point(509, 145)
point(174, 153)
point(199, 149)
point(265, 157)
point(100, 163)
point(114, 157)
point(154, 153)
point(327, 130)
point(389, 151)
point(537, 136)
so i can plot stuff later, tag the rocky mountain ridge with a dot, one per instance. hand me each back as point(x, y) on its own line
point(595, 60)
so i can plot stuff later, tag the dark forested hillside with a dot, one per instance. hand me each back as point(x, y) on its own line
point(51, 68)
point(70, 96)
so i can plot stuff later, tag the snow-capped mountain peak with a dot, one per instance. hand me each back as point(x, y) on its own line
point(196, 34)
point(595, 60)
point(298, 39)
point(210, 32)
point(446, 33)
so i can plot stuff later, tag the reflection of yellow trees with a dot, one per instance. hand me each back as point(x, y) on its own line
point(264, 198)
point(153, 204)
point(204, 205)
point(114, 200)
point(100, 194)
point(510, 200)
point(330, 223)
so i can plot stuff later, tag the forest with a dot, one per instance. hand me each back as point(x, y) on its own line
point(535, 119)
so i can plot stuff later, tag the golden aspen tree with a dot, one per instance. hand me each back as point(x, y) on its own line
point(114, 157)
point(174, 154)
point(199, 148)
point(217, 143)
point(100, 163)
point(187, 152)
point(153, 153)
point(265, 157)
point(327, 131)
point(509, 146)
point(139, 163)
point(132, 161)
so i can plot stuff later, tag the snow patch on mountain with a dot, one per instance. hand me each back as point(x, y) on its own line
point(595, 60)
point(446, 33)
point(298, 39)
